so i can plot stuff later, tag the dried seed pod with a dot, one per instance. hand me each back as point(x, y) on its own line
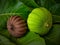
point(16, 26)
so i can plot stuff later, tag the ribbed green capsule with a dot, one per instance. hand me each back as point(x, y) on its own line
point(40, 21)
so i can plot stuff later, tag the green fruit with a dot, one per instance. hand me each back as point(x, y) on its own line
point(53, 37)
point(31, 38)
point(40, 21)
point(5, 41)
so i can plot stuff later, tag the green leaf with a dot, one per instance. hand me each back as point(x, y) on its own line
point(30, 3)
point(55, 9)
point(6, 5)
point(6, 34)
point(5, 41)
point(56, 18)
point(46, 3)
point(14, 6)
point(57, 1)
point(37, 41)
point(53, 37)
point(31, 39)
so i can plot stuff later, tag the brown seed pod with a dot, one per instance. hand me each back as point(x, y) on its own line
point(16, 26)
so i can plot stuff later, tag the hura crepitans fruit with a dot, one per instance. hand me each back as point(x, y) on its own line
point(40, 21)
